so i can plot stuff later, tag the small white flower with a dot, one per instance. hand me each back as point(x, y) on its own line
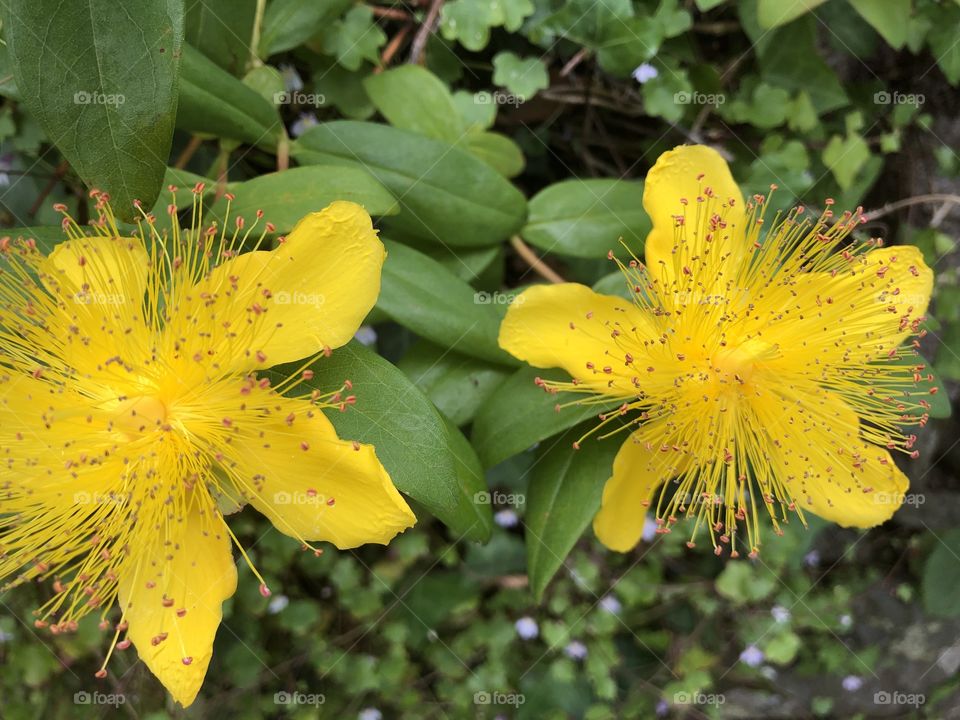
point(506, 519)
point(645, 72)
point(649, 529)
point(575, 650)
point(527, 628)
point(610, 604)
point(852, 683)
point(291, 78)
point(752, 656)
point(780, 614)
point(278, 603)
point(303, 123)
point(366, 335)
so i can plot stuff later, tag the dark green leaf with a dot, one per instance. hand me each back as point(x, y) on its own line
point(221, 30)
point(941, 576)
point(520, 414)
point(563, 496)
point(288, 23)
point(586, 218)
point(105, 98)
point(212, 101)
point(456, 384)
point(422, 295)
point(445, 193)
point(287, 196)
point(496, 150)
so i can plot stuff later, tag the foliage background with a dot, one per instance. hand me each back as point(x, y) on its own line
point(493, 129)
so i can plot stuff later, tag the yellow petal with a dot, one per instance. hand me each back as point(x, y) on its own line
point(638, 471)
point(857, 316)
point(816, 449)
point(99, 285)
point(570, 326)
point(287, 461)
point(676, 176)
point(269, 308)
point(189, 563)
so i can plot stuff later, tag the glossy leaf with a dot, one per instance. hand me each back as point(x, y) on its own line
point(587, 218)
point(562, 498)
point(106, 99)
point(520, 414)
point(412, 98)
point(446, 194)
point(213, 101)
point(422, 295)
point(287, 196)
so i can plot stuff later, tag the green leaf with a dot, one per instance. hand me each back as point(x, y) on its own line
point(476, 109)
point(562, 498)
point(587, 218)
point(455, 383)
point(343, 89)
point(496, 150)
point(445, 193)
point(214, 102)
point(520, 414)
point(844, 157)
point(285, 197)
point(424, 456)
point(412, 98)
point(792, 61)
point(105, 98)
point(890, 18)
point(421, 294)
point(943, 41)
point(289, 23)
point(221, 30)
point(521, 76)
point(268, 83)
point(469, 22)
point(744, 583)
point(772, 13)
point(474, 516)
point(355, 38)
point(941, 576)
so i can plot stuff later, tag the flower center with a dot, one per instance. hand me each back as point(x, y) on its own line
point(140, 415)
point(735, 365)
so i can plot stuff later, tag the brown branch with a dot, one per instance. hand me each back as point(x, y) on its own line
point(419, 43)
point(908, 202)
point(580, 56)
point(188, 152)
point(535, 263)
point(48, 188)
point(392, 47)
point(391, 13)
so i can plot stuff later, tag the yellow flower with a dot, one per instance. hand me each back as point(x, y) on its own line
point(756, 370)
point(132, 416)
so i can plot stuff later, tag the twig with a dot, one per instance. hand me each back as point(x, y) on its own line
point(536, 264)
point(419, 43)
point(283, 153)
point(574, 61)
point(188, 152)
point(908, 202)
point(392, 47)
point(391, 13)
point(48, 188)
